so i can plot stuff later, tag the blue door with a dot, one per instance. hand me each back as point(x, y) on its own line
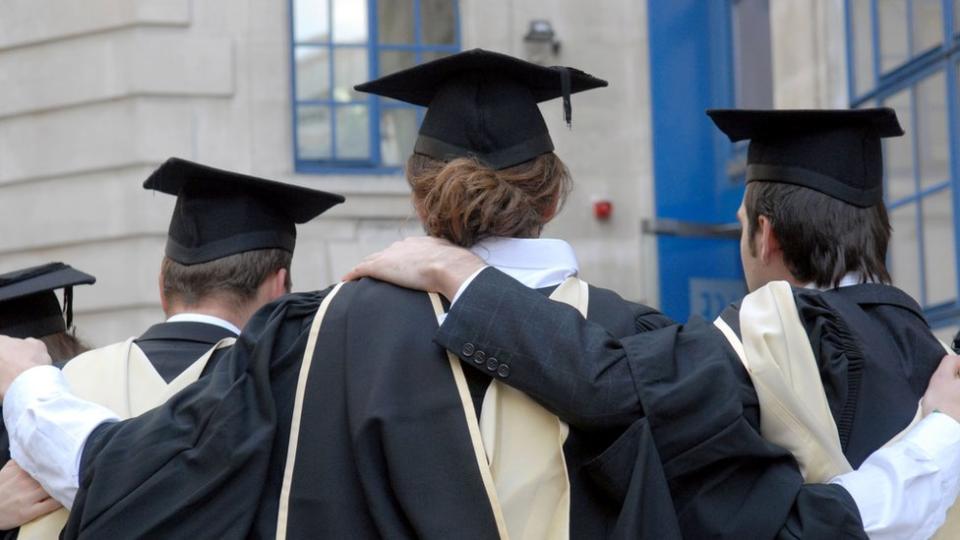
point(703, 54)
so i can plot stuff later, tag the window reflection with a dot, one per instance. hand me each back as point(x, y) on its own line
point(311, 20)
point(894, 47)
point(395, 22)
point(939, 248)
point(898, 152)
point(862, 42)
point(313, 132)
point(398, 133)
point(313, 73)
point(349, 21)
point(904, 250)
point(931, 128)
point(353, 132)
point(927, 25)
point(438, 22)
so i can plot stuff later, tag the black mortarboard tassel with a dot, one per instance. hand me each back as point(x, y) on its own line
point(220, 213)
point(836, 152)
point(483, 104)
point(28, 302)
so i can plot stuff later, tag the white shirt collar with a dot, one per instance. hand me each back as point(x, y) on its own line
point(207, 319)
point(535, 262)
point(852, 278)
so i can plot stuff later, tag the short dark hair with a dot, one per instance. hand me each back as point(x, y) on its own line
point(235, 277)
point(822, 238)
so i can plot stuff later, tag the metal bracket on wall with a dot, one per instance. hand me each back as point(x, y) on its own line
point(690, 229)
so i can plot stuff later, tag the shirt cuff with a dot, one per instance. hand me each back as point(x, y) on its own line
point(48, 428)
point(904, 490)
point(938, 436)
point(466, 283)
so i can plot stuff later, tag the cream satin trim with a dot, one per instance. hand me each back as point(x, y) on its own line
point(795, 413)
point(474, 429)
point(107, 376)
point(283, 513)
point(524, 446)
point(815, 446)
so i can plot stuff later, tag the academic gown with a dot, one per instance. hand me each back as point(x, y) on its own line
point(171, 347)
point(688, 386)
point(383, 450)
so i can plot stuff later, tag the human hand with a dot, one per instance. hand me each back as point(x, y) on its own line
point(943, 393)
point(17, 356)
point(421, 262)
point(22, 500)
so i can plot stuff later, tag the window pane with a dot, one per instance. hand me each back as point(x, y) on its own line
point(864, 79)
point(313, 73)
point(311, 20)
point(438, 22)
point(391, 61)
point(395, 21)
point(753, 68)
point(349, 21)
point(956, 17)
point(904, 250)
point(898, 151)
point(398, 133)
point(429, 56)
point(313, 132)
point(353, 132)
point(939, 248)
point(931, 129)
point(349, 69)
point(927, 25)
point(894, 48)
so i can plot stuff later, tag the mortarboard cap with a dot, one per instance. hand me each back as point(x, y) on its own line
point(483, 104)
point(836, 152)
point(29, 305)
point(220, 213)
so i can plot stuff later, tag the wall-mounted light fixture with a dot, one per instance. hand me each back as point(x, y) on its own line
point(541, 41)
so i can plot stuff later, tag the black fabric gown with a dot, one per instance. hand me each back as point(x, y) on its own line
point(688, 387)
point(171, 347)
point(383, 452)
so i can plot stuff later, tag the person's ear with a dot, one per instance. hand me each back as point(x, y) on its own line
point(164, 301)
point(276, 284)
point(768, 243)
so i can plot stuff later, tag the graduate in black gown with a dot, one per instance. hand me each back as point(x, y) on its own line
point(335, 415)
point(29, 308)
point(813, 215)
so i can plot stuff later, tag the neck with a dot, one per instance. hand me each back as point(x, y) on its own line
point(236, 317)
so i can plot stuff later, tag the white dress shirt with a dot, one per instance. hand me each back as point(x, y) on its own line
point(206, 319)
point(48, 425)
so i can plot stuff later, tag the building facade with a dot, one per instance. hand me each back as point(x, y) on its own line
point(94, 94)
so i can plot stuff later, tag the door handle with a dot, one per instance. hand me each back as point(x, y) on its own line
point(690, 229)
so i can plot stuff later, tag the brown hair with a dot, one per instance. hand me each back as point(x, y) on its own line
point(234, 277)
point(63, 346)
point(822, 238)
point(464, 201)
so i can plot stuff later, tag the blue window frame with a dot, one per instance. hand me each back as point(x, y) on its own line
point(905, 54)
point(339, 43)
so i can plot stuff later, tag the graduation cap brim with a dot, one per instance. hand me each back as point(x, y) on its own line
point(743, 124)
point(419, 84)
point(300, 204)
point(38, 279)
